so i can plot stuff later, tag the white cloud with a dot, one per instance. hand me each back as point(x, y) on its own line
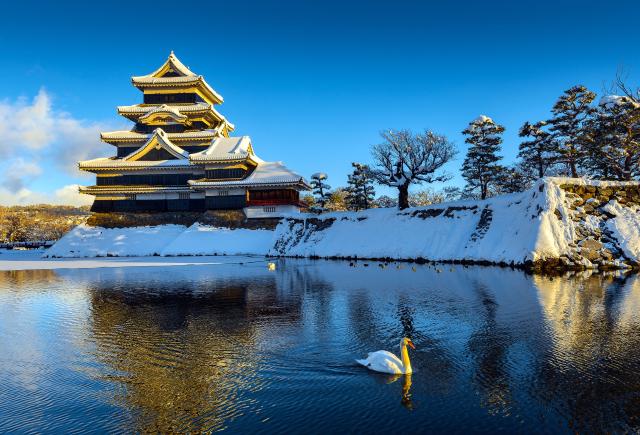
point(37, 139)
point(66, 195)
point(69, 195)
point(19, 173)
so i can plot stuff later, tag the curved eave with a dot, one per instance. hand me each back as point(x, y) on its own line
point(95, 190)
point(222, 158)
point(191, 112)
point(144, 82)
point(133, 137)
point(122, 165)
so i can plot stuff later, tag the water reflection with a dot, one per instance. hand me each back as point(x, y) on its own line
point(187, 355)
point(236, 347)
point(593, 354)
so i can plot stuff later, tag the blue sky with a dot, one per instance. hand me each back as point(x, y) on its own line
point(311, 82)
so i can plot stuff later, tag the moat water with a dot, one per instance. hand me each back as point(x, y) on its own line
point(237, 347)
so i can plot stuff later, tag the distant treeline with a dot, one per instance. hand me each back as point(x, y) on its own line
point(39, 222)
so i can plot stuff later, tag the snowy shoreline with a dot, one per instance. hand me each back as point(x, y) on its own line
point(558, 224)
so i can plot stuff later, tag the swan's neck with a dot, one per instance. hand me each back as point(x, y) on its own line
point(404, 356)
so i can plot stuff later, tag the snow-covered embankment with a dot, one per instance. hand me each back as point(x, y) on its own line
point(560, 223)
point(163, 240)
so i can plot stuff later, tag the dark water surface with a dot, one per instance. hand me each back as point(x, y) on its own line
point(240, 348)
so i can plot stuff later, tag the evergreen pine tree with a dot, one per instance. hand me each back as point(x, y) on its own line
point(321, 191)
point(516, 178)
point(571, 115)
point(614, 149)
point(360, 192)
point(536, 154)
point(480, 168)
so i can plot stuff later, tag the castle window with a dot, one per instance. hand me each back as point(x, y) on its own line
point(223, 193)
point(269, 209)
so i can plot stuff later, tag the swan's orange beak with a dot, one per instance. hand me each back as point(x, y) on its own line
point(410, 343)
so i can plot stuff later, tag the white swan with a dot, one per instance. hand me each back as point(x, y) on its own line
point(386, 362)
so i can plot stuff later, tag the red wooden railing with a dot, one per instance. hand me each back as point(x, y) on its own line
point(261, 202)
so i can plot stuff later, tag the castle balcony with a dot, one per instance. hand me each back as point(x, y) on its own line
point(267, 202)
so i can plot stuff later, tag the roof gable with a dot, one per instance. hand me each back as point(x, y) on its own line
point(163, 113)
point(158, 141)
point(172, 68)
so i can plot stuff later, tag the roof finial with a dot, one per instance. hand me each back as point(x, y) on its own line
point(171, 54)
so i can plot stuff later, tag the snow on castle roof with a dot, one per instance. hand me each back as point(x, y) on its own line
point(225, 148)
point(265, 174)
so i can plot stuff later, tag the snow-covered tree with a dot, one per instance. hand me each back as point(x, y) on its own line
point(480, 167)
point(451, 193)
point(385, 201)
point(516, 178)
point(424, 197)
point(568, 126)
point(614, 148)
point(309, 201)
point(337, 200)
point(536, 154)
point(321, 191)
point(360, 192)
point(405, 158)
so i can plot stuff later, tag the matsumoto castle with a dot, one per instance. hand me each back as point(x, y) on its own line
point(179, 156)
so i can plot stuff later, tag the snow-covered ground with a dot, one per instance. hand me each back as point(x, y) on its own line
point(162, 240)
point(569, 223)
point(508, 228)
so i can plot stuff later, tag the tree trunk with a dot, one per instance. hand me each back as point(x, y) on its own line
point(540, 169)
point(572, 168)
point(403, 196)
point(627, 167)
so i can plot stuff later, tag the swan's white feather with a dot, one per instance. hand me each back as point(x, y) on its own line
point(383, 361)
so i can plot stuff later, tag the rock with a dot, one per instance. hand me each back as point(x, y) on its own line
point(605, 191)
point(590, 244)
point(606, 254)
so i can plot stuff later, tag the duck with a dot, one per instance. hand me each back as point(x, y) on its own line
point(385, 362)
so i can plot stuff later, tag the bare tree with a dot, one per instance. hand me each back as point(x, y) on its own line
point(405, 158)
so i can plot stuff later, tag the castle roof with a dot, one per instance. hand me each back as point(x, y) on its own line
point(225, 149)
point(178, 112)
point(134, 136)
point(265, 174)
point(158, 140)
point(174, 73)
